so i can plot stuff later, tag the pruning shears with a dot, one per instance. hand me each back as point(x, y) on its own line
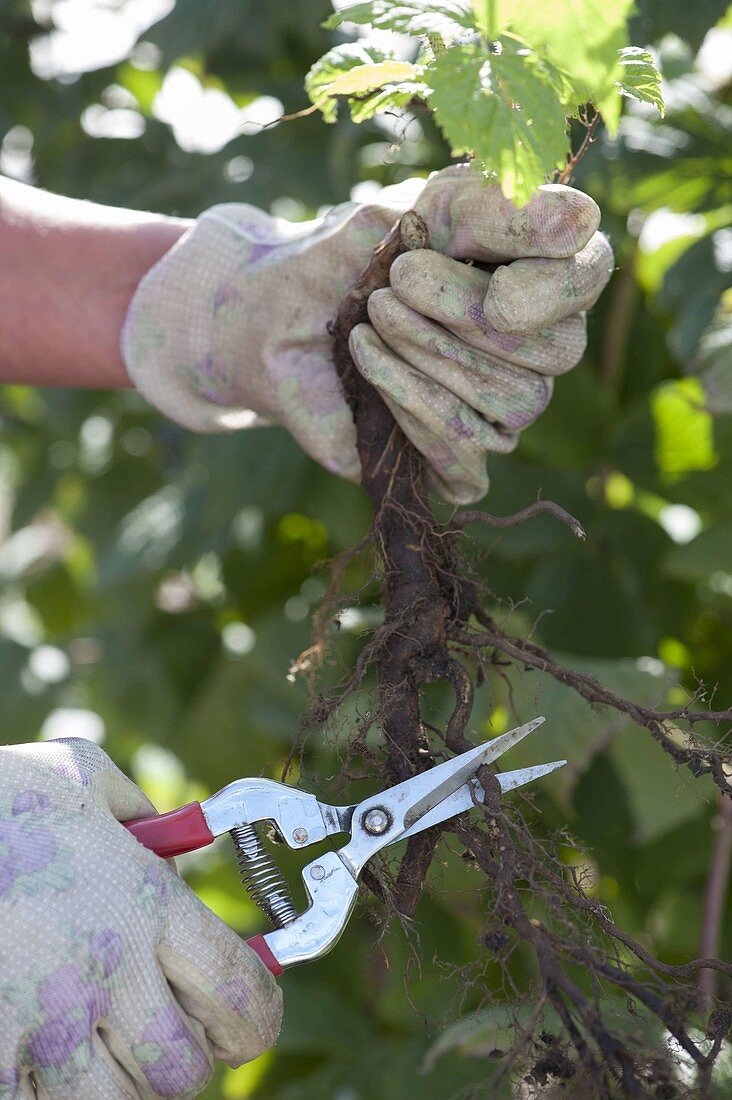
point(300, 819)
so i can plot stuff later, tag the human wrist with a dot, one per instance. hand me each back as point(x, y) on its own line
point(67, 272)
point(111, 263)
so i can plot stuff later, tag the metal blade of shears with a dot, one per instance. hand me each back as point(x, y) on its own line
point(462, 799)
point(389, 816)
point(461, 769)
point(409, 807)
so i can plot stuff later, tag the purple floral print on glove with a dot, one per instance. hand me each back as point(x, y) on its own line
point(24, 851)
point(170, 1057)
point(106, 951)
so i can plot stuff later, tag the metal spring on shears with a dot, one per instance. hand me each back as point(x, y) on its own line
point(261, 877)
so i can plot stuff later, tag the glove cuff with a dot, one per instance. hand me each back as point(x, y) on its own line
point(179, 350)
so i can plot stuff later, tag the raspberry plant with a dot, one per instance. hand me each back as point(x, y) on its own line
point(502, 77)
point(601, 1017)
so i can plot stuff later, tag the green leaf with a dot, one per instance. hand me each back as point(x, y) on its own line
point(715, 357)
point(355, 70)
point(489, 1033)
point(653, 266)
point(445, 17)
point(583, 37)
point(725, 23)
point(717, 379)
point(684, 430)
point(505, 109)
point(692, 289)
point(436, 43)
point(565, 583)
point(659, 795)
point(144, 540)
point(577, 730)
point(640, 79)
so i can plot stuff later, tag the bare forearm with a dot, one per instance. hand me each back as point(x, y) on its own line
point(68, 270)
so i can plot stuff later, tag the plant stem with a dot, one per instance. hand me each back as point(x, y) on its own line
point(462, 519)
point(624, 295)
point(492, 20)
point(715, 895)
point(566, 174)
point(414, 559)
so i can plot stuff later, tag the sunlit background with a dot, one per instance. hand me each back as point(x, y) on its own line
point(156, 588)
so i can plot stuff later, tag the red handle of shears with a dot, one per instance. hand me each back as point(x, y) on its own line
point(186, 830)
point(174, 833)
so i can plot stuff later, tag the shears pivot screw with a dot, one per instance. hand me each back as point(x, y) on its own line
point(376, 821)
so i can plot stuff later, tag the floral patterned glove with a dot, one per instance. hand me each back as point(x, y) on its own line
point(116, 982)
point(230, 328)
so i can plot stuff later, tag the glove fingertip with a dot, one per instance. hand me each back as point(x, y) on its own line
point(499, 303)
point(257, 1004)
point(367, 350)
point(219, 980)
point(566, 219)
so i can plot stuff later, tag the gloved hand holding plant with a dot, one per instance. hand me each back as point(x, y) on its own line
point(230, 329)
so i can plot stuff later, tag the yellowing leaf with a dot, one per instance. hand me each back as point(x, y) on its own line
point(391, 98)
point(366, 78)
point(353, 69)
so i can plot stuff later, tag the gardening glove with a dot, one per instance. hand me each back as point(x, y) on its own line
point(115, 980)
point(230, 328)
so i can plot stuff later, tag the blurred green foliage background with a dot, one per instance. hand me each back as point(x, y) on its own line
point(155, 587)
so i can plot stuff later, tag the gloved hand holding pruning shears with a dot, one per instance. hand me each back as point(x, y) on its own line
point(133, 986)
point(331, 881)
